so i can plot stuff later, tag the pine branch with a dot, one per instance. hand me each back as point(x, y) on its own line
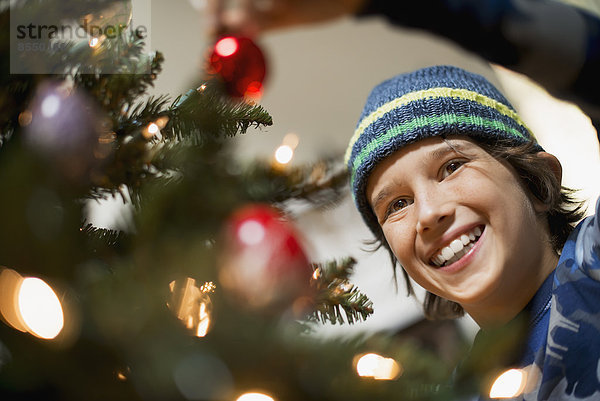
point(337, 294)
point(321, 185)
point(324, 185)
point(207, 111)
point(106, 245)
point(116, 87)
point(102, 235)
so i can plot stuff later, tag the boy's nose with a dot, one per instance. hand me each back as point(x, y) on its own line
point(433, 210)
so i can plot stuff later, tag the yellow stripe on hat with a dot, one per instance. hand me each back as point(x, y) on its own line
point(430, 94)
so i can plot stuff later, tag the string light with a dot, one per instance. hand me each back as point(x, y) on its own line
point(123, 374)
point(255, 397)
point(29, 304)
point(377, 367)
point(50, 105)
point(10, 282)
point(96, 41)
point(192, 305)
point(161, 122)
point(153, 129)
point(291, 140)
point(285, 152)
point(509, 384)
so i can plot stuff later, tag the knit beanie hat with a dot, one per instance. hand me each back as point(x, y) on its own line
point(433, 101)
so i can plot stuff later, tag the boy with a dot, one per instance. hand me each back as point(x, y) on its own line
point(453, 184)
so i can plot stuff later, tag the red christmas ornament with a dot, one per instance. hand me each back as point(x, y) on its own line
point(240, 64)
point(262, 263)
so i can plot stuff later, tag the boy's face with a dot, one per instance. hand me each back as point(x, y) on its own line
point(461, 224)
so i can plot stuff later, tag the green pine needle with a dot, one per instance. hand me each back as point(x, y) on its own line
point(336, 295)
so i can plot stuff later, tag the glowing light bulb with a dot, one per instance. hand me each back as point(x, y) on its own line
point(40, 308)
point(94, 42)
point(204, 321)
point(50, 106)
point(10, 282)
point(161, 122)
point(226, 46)
point(291, 140)
point(251, 232)
point(377, 367)
point(284, 154)
point(254, 397)
point(192, 305)
point(153, 128)
point(509, 384)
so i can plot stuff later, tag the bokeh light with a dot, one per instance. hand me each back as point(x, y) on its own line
point(40, 308)
point(25, 118)
point(284, 154)
point(10, 282)
point(151, 130)
point(254, 397)
point(251, 232)
point(226, 46)
point(192, 305)
point(94, 42)
point(509, 384)
point(50, 105)
point(377, 367)
point(291, 140)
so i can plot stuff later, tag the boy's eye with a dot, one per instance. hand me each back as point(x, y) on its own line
point(398, 205)
point(451, 167)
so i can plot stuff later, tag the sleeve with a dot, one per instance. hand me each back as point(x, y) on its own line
point(587, 245)
point(553, 43)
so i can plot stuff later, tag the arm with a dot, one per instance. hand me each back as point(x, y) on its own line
point(553, 43)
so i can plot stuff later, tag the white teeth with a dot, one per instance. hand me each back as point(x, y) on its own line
point(447, 253)
point(457, 248)
point(456, 245)
point(439, 259)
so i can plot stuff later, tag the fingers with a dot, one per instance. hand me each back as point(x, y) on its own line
point(251, 17)
point(243, 17)
point(213, 16)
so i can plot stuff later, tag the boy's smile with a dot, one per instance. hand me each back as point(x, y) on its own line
point(462, 225)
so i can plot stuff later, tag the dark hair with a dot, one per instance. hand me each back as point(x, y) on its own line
point(564, 211)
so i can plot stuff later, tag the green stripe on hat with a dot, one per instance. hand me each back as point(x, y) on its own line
point(424, 121)
point(432, 93)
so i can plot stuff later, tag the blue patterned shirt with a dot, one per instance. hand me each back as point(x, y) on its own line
point(562, 353)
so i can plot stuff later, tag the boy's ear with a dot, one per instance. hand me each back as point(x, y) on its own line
point(556, 168)
point(553, 164)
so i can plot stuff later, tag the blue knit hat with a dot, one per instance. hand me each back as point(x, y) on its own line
point(433, 101)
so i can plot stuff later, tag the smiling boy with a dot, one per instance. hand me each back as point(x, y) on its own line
point(453, 184)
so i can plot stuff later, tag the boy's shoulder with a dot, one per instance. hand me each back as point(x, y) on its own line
point(571, 356)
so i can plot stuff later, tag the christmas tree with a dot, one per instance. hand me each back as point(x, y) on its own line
point(208, 295)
